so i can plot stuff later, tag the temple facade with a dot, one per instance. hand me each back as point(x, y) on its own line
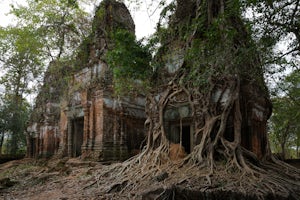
point(77, 112)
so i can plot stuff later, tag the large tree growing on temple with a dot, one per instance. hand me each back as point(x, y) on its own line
point(207, 72)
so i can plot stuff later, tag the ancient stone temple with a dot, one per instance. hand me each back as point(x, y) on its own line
point(77, 113)
point(192, 100)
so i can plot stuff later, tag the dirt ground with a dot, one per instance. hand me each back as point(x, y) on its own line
point(63, 179)
point(53, 179)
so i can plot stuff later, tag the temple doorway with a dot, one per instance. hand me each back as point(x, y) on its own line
point(77, 142)
point(181, 134)
point(186, 138)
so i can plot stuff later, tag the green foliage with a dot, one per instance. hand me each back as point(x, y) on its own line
point(130, 62)
point(22, 58)
point(45, 31)
point(13, 118)
point(223, 47)
point(292, 86)
point(82, 54)
point(276, 32)
point(276, 26)
point(276, 19)
point(19, 170)
point(285, 127)
point(99, 17)
point(22, 61)
point(61, 24)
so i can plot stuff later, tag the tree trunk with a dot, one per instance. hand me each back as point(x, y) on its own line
point(297, 148)
point(29, 153)
point(283, 142)
point(1, 142)
point(283, 155)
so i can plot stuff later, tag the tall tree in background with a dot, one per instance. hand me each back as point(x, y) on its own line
point(21, 59)
point(277, 21)
point(3, 124)
point(45, 31)
point(285, 127)
point(13, 125)
point(61, 24)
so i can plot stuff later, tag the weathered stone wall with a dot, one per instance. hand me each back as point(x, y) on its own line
point(109, 129)
point(123, 131)
point(257, 109)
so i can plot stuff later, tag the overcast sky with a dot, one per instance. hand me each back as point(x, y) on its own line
point(4, 8)
point(145, 25)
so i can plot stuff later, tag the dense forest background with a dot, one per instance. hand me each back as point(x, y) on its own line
point(51, 31)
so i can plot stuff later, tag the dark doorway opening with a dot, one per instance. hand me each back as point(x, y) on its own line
point(186, 138)
point(32, 147)
point(77, 136)
point(180, 134)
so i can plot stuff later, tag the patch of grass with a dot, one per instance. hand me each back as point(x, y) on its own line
point(21, 170)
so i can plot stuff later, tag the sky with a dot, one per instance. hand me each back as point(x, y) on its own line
point(4, 19)
point(144, 24)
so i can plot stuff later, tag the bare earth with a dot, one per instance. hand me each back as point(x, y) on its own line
point(76, 179)
point(53, 179)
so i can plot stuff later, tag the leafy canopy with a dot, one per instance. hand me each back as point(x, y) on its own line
point(130, 62)
point(285, 127)
point(60, 23)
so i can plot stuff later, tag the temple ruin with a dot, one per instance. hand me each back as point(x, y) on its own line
point(189, 106)
point(76, 112)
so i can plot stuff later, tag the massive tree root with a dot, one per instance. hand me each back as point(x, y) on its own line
point(228, 115)
point(216, 163)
